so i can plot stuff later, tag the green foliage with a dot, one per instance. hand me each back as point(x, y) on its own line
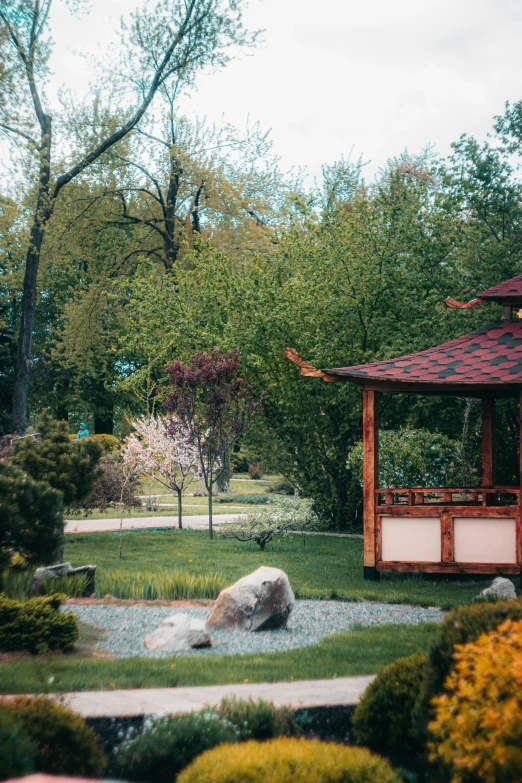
point(71, 586)
point(282, 515)
point(383, 718)
point(253, 498)
point(149, 585)
point(109, 443)
point(258, 719)
point(37, 625)
point(16, 749)
point(239, 462)
point(31, 517)
point(69, 467)
point(15, 583)
point(168, 744)
point(63, 743)
point(288, 760)
point(412, 458)
point(461, 626)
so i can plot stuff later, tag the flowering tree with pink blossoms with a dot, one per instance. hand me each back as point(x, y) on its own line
point(163, 448)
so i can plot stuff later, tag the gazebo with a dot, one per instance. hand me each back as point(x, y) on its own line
point(448, 530)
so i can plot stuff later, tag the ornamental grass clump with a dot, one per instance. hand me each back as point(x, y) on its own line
point(167, 744)
point(383, 718)
point(288, 760)
point(151, 585)
point(476, 735)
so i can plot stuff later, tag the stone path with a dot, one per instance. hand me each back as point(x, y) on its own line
point(195, 522)
point(302, 694)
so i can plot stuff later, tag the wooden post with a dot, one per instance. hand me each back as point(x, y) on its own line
point(488, 443)
point(370, 478)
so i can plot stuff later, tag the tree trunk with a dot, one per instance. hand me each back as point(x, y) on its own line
point(104, 422)
point(210, 534)
point(180, 521)
point(24, 362)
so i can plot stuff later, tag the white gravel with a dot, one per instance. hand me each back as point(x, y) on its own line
point(310, 621)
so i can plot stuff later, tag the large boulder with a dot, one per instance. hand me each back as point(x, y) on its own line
point(48, 573)
point(501, 589)
point(260, 601)
point(179, 633)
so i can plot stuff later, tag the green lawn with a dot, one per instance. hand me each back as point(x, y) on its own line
point(317, 566)
point(359, 651)
point(191, 505)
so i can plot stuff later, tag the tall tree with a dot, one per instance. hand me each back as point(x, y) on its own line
point(175, 38)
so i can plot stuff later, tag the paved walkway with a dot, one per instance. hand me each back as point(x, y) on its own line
point(196, 522)
point(303, 694)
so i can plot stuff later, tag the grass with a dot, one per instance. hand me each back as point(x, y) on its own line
point(252, 490)
point(317, 566)
point(359, 651)
point(150, 585)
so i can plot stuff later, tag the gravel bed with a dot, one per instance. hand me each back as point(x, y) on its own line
point(310, 621)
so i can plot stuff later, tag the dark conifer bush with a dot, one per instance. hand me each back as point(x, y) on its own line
point(31, 517)
point(68, 466)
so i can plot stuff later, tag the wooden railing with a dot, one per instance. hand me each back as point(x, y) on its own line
point(461, 496)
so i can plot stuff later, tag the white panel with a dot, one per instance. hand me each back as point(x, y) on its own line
point(411, 540)
point(485, 540)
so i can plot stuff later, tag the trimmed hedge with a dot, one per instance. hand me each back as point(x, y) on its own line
point(16, 749)
point(477, 731)
point(288, 760)
point(62, 742)
point(168, 744)
point(383, 718)
point(461, 626)
point(37, 625)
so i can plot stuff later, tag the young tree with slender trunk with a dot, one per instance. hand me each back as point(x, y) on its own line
point(170, 41)
point(163, 448)
point(215, 405)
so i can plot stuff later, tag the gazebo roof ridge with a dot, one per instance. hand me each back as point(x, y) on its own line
point(508, 292)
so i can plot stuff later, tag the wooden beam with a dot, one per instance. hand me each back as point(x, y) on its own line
point(488, 443)
point(447, 537)
point(448, 568)
point(370, 472)
point(437, 510)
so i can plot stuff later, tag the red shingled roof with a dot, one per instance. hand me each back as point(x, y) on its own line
point(508, 292)
point(492, 355)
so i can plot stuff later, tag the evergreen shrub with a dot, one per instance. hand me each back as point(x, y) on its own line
point(36, 625)
point(108, 443)
point(477, 730)
point(258, 719)
point(16, 749)
point(383, 718)
point(288, 760)
point(71, 468)
point(31, 517)
point(462, 625)
point(63, 743)
point(168, 744)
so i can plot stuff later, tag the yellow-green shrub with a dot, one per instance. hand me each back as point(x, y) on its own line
point(62, 742)
point(383, 718)
point(477, 731)
point(288, 760)
point(109, 443)
point(37, 625)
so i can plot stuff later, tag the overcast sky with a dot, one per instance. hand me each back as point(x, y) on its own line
point(376, 76)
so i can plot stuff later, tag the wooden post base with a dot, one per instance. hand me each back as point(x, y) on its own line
point(371, 574)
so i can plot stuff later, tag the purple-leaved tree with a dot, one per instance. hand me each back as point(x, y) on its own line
point(215, 405)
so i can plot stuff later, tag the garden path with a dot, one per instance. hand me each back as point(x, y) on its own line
point(301, 694)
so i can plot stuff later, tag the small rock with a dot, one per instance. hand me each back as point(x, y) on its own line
point(53, 572)
point(179, 633)
point(260, 601)
point(501, 589)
